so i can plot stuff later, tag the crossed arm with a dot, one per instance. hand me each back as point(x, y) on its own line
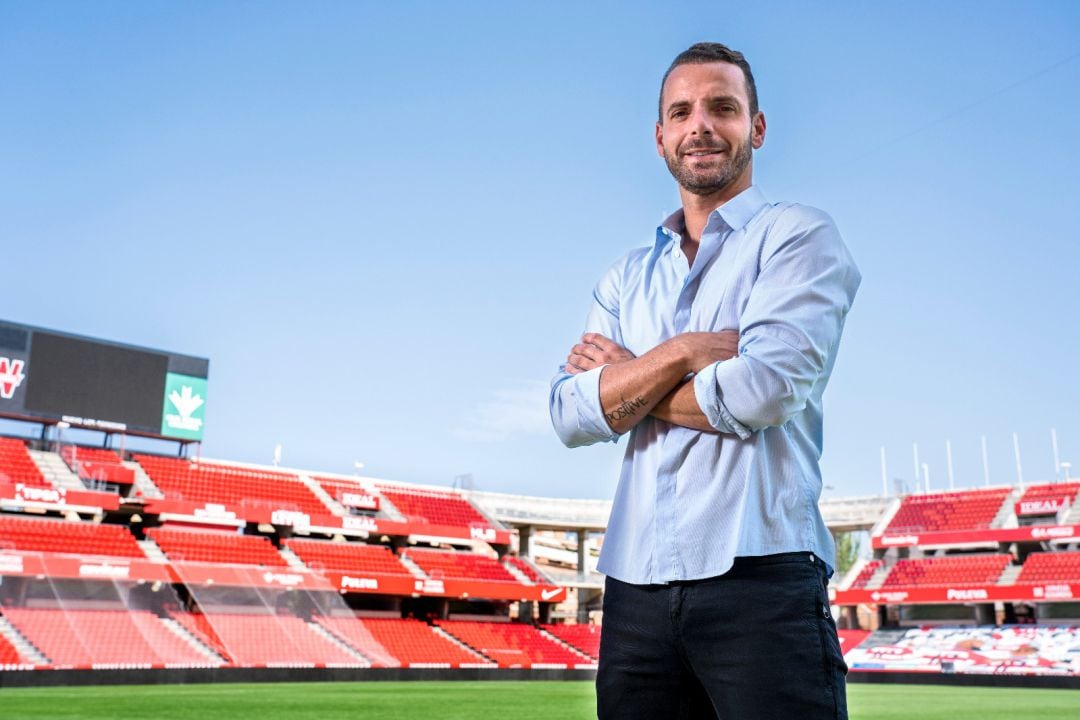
point(632, 387)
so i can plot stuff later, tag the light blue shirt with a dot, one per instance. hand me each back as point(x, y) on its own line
point(689, 502)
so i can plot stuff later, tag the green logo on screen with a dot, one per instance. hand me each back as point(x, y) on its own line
point(185, 406)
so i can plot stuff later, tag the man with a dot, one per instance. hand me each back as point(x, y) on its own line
point(712, 348)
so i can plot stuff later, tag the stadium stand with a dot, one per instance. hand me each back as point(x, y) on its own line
point(1053, 490)
point(261, 639)
point(468, 566)
point(1050, 567)
point(230, 485)
point(967, 510)
point(62, 536)
point(215, 546)
point(513, 644)
point(391, 642)
point(585, 638)
point(348, 556)
point(866, 573)
point(954, 570)
point(8, 654)
point(337, 489)
point(527, 570)
point(74, 637)
point(436, 508)
point(16, 465)
point(1013, 650)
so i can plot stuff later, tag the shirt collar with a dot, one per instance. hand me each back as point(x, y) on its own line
point(735, 213)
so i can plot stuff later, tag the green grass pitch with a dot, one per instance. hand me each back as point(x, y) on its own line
point(477, 701)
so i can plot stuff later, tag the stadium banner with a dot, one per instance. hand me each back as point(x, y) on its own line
point(214, 513)
point(197, 573)
point(37, 564)
point(359, 500)
point(1043, 592)
point(487, 590)
point(20, 496)
point(356, 525)
point(183, 407)
point(370, 583)
point(1031, 533)
point(1042, 506)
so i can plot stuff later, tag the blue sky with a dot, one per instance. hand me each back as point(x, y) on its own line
point(382, 222)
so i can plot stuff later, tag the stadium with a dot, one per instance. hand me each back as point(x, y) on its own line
point(290, 292)
point(123, 566)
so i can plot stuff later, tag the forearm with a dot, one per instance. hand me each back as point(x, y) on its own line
point(630, 390)
point(680, 407)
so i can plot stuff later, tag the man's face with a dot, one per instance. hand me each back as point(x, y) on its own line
point(705, 133)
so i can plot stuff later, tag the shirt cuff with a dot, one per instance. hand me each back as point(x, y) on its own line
point(591, 420)
point(710, 400)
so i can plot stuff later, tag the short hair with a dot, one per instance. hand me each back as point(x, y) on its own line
point(710, 52)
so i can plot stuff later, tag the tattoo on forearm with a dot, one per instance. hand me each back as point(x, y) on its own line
point(628, 409)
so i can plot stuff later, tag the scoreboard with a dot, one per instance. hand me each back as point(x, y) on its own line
point(49, 376)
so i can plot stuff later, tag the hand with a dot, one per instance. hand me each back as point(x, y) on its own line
point(593, 351)
point(700, 349)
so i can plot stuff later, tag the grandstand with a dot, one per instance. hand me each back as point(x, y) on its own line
point(131, 559)
point(264, 567)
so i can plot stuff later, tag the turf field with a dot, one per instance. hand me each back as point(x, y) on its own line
point(477, 701)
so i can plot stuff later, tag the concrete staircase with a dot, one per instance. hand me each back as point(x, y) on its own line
point(26, 648)
point(144, 486)
point(153, 552)
point(345, 648)
point(878, 578)
point(292, 559)
point(212, 658)
point(1006, 514)
point(521, 577)
point(335, 507)
point(1008, 577)
point(413, 567)
point(1072, 515)
point(56, 471)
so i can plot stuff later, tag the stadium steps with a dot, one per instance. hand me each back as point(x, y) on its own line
point(1008, 577)
point(25, 648)
point(1006, 514)
point(341, 644)
point(389, 509)
point(144, 486)
point(415, 569)
point(462, 644)
point(152, 551)
point(878, 578)
point(197, 645)
point(586, 659)
point(1072, 516)
point(853, 573)
point(521, 577)
point(292, 559)
point(55, 470)
point(318, 491)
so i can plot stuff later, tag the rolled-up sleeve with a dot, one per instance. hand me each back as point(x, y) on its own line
point(789, 330)
point(574, 401)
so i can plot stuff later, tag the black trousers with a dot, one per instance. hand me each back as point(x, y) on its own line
point(756, 643)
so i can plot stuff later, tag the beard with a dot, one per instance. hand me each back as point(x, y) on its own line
point(707, 181)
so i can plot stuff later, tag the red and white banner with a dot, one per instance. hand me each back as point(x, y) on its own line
point(15, 562)
point(195, 573)
point(360, 500)
point(1042, 506)
point(1045, 592)
point(1031, 533)
point(58, 498)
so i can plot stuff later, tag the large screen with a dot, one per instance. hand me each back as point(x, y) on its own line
point(52, 376)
